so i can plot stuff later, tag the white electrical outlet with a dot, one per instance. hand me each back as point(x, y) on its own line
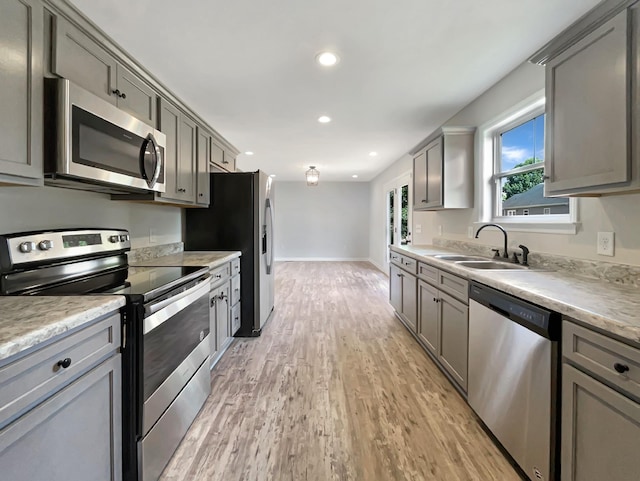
point(606, 242)
point(470, 232)
point(439, 230)
point(153, 236)
point(418, 229)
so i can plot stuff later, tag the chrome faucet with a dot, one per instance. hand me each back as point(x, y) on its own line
point(505, 254)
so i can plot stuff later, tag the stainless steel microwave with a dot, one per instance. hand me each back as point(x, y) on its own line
point(93, 145)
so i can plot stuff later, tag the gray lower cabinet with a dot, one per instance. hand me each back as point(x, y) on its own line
point(395, 287)
point(73, 436)
point(600, 430)
point(600, 407)
point(21, 95)
point(454, 338)
point(224, 314)
point(428, 317)
point(403, 295)
point(60, 408)
point(86, 63)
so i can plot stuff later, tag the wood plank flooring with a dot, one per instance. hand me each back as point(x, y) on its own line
point(335, 389)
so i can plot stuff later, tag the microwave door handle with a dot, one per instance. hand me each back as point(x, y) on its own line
point(150, 144)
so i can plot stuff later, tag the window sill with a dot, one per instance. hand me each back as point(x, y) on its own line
point(535, 226)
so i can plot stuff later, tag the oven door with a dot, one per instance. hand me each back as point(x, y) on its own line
point(99, 142)
point(175, 345)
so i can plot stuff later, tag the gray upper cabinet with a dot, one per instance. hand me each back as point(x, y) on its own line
point(204, 157)
point(221, 158)
point(592, 96)
point(136, 97)
point(186, 179)
point(78, 58)
point(229, 161)
point(21, 95)
point(443, 170)
point(83, 61)
point(169, 125)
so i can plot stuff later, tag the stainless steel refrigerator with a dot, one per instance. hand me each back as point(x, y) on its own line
point(240, 217)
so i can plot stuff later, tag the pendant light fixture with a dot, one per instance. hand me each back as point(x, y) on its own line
point(312, 175)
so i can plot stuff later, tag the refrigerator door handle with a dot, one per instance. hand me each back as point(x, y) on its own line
point(269, 235)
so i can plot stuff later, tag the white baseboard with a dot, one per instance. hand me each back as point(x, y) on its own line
point(323, 259)
point(378, 266)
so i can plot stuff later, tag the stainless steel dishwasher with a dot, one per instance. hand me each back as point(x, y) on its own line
point(514, 377)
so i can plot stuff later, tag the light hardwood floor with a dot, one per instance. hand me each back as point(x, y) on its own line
point(334, 389)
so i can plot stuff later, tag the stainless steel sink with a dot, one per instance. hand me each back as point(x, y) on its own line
point(458, 258)
point(493, 265)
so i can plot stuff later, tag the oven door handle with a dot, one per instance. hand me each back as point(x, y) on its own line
point(175, 305)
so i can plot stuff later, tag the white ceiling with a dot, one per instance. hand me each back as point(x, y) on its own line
point(248, 67)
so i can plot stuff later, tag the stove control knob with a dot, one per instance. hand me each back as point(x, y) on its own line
point(123, 238)
point(27, 247)
point(45, 245)
point(114, 238)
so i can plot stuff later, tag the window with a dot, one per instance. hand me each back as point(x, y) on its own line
point(519, 170)
point(511, 151)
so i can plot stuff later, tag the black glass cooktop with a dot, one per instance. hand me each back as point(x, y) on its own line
point(147, 280)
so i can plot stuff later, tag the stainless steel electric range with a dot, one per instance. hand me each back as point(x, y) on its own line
point(165, 329)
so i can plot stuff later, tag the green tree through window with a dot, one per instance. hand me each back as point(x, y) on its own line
point(518, 183)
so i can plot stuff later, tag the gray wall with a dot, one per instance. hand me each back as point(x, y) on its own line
point(34, 208)
point(326, 222)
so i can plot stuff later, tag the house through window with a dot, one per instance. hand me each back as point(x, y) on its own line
point(519, 170)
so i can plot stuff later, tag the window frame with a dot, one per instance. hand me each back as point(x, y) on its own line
point(488, 159)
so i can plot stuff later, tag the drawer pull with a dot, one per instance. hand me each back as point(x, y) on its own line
point(218, 276)
point(66, 362)
point(621, 368)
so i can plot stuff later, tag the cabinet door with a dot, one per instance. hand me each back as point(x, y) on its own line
point(217, 155)
point(136, 97)
point(187, 159)
point(169, 123)
point(222, 316)
point(600, 431)
point(428, 316)
point(202, 178)
point(587, 99)
point(229, 161)
point(81, 60)
point(454, 338)
point(420, 181)
point(21, 77)
point(75, 435)
point(395, 288)
point(434, 155)
point(409, 301)
point(213, 330)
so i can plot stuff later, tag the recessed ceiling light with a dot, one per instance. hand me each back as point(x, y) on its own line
point(272, 175)
point(373, 154)
point(324, 119)
point(327, 59)
point(355, 176)
point(249, 153)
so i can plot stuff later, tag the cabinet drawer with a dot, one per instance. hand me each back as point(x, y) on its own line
point(395, 258)
point(409, 264)
point(601, 355)
point(30, 379)
point(454, 285)
point(220, 273)
point(235, 267)
point(427, 272)
point(235, 290)
point(235, 318)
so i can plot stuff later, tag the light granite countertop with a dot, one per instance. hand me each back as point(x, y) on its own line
point(211, 259)
point(608, 307)
point(26, 321)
